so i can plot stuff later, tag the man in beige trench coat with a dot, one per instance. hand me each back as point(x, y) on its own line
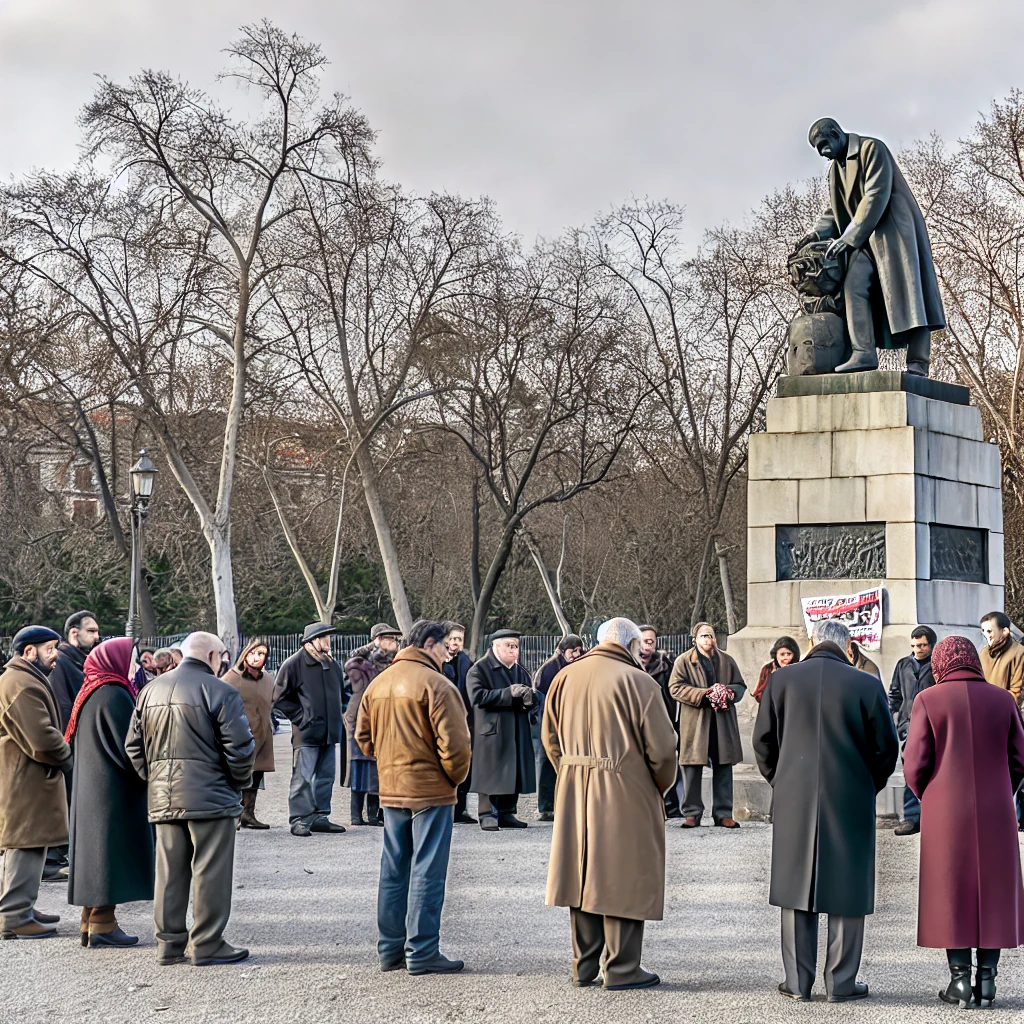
point(609, 738)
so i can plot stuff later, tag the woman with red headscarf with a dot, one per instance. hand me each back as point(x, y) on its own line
point(964, 758)
point(111, 844)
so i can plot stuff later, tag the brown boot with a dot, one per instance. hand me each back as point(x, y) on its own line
point(249, 819)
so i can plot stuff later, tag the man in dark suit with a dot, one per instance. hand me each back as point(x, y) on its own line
point(568, 650)
point(825, 741)
point(658, 665)
point(455, 670)
point(503, 763)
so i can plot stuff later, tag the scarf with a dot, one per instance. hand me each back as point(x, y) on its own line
point(108, 663)
point(952, 653)
point(999, 646)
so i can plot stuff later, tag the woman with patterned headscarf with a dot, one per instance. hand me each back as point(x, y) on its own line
point(111, 844)
point(964, 758)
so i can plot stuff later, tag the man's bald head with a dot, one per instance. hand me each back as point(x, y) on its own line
point(205, 647)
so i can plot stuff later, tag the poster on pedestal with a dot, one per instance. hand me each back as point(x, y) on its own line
point(860, 613)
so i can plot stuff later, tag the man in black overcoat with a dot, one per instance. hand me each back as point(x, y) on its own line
point(825, 741)
point(569, 648)
point(658, 665)
point(455, 670)
point(503, 765)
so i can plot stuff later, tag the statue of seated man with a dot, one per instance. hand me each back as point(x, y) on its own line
point(890, 291)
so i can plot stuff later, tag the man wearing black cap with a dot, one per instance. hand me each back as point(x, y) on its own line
point(33, 802)
point(309, 691)
point(361, 669)
point(503, 763)
point(568, 650)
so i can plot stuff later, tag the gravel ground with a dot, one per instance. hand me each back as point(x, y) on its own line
point(306, 909)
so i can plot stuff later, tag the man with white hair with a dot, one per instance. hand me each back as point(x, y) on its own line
point(501, 694)
point(190, 739)
point(825, 741)
point(609, 737)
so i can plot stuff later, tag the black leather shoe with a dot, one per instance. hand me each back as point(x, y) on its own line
point(300, 828)
point(545, 816)
point(489, 822)
point(227, 954)
point(392, 965)
point(114, 938)
point(170, 959)
point(323, 825)
point(860, 991)
point(789, 994)
point(510, 821)
point(958, 991)
point(647, 980)
point(465, 819)
point(985, 978)
point(439, 965)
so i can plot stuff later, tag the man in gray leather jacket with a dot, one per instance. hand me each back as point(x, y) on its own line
point(190, 739)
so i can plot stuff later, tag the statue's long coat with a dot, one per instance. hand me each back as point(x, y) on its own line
point(871, 205)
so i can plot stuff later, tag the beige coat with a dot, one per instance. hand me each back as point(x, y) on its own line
point(609, 737)
point(33, 802)
point(696, 716)
point(256, 698)
point(1006, 668)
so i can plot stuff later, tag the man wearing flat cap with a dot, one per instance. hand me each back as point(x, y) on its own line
point(33, 802)
point(365, 664)
point(309, 691)
point(503, 764)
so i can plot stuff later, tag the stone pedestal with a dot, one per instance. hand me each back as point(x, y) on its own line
point(905, 457)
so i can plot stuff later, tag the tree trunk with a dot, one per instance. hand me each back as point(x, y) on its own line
point(219, 540)
point(723, 569)
point(490, 584)
point(549, 586)
point(385, 541)
point(698, 597)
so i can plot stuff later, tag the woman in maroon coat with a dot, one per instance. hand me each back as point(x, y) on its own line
point(964, 758)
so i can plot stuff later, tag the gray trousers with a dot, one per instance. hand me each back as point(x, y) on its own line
point(200, 853)
point(620, 939)
point(800, 951)
point(860, 281)
point(19, 886)
point(313, 773)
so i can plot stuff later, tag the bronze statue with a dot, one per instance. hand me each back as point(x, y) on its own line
point(889, 290)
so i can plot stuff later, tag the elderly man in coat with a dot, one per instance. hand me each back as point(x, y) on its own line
point(501, 693)
point(708, 685)
point(890, 289)
point(607, 733)
point(33, 800)
point(825, 741)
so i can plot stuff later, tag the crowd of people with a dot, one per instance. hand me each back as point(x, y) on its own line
point(130, 772)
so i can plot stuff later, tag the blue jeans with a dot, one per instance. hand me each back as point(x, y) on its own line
point(413, 869)
point(911, 805)
point(309, 796)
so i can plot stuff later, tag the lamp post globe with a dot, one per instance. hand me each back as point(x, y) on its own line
point(143, 477)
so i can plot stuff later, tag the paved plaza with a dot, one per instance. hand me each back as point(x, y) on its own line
point(306, 909)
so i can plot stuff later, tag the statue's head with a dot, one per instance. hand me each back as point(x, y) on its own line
point(828, 138)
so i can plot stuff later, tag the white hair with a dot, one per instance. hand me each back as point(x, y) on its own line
point(201, 645)
point(832, 630)
point(622, 631)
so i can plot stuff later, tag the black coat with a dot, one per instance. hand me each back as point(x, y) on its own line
point(659, 668)
point(66, 679)
point(503, 758)
point(906, 685)
point(111, 844)
point(455, 671)
point(825, 741)
point(310, 693)
point(190, 739)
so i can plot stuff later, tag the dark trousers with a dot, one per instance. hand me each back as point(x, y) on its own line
point(410, 895)
point(800, 951)
point(496, 806)
point(620, 939)
point(721, 784)
point(860, 282)
point(313, 774)
point(201, 855)
point(372, 806)
point(460, 797)
point(672, 808)
point(546, 778)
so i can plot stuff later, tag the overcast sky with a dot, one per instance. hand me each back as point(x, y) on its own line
point(555, 108)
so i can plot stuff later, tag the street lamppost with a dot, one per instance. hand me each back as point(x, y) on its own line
point(143, 476)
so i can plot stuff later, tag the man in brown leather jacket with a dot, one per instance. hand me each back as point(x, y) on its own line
point(413, 721)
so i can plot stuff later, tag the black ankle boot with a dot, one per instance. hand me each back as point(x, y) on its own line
point(958, 991)
point(357, 807)
point(985, 978)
